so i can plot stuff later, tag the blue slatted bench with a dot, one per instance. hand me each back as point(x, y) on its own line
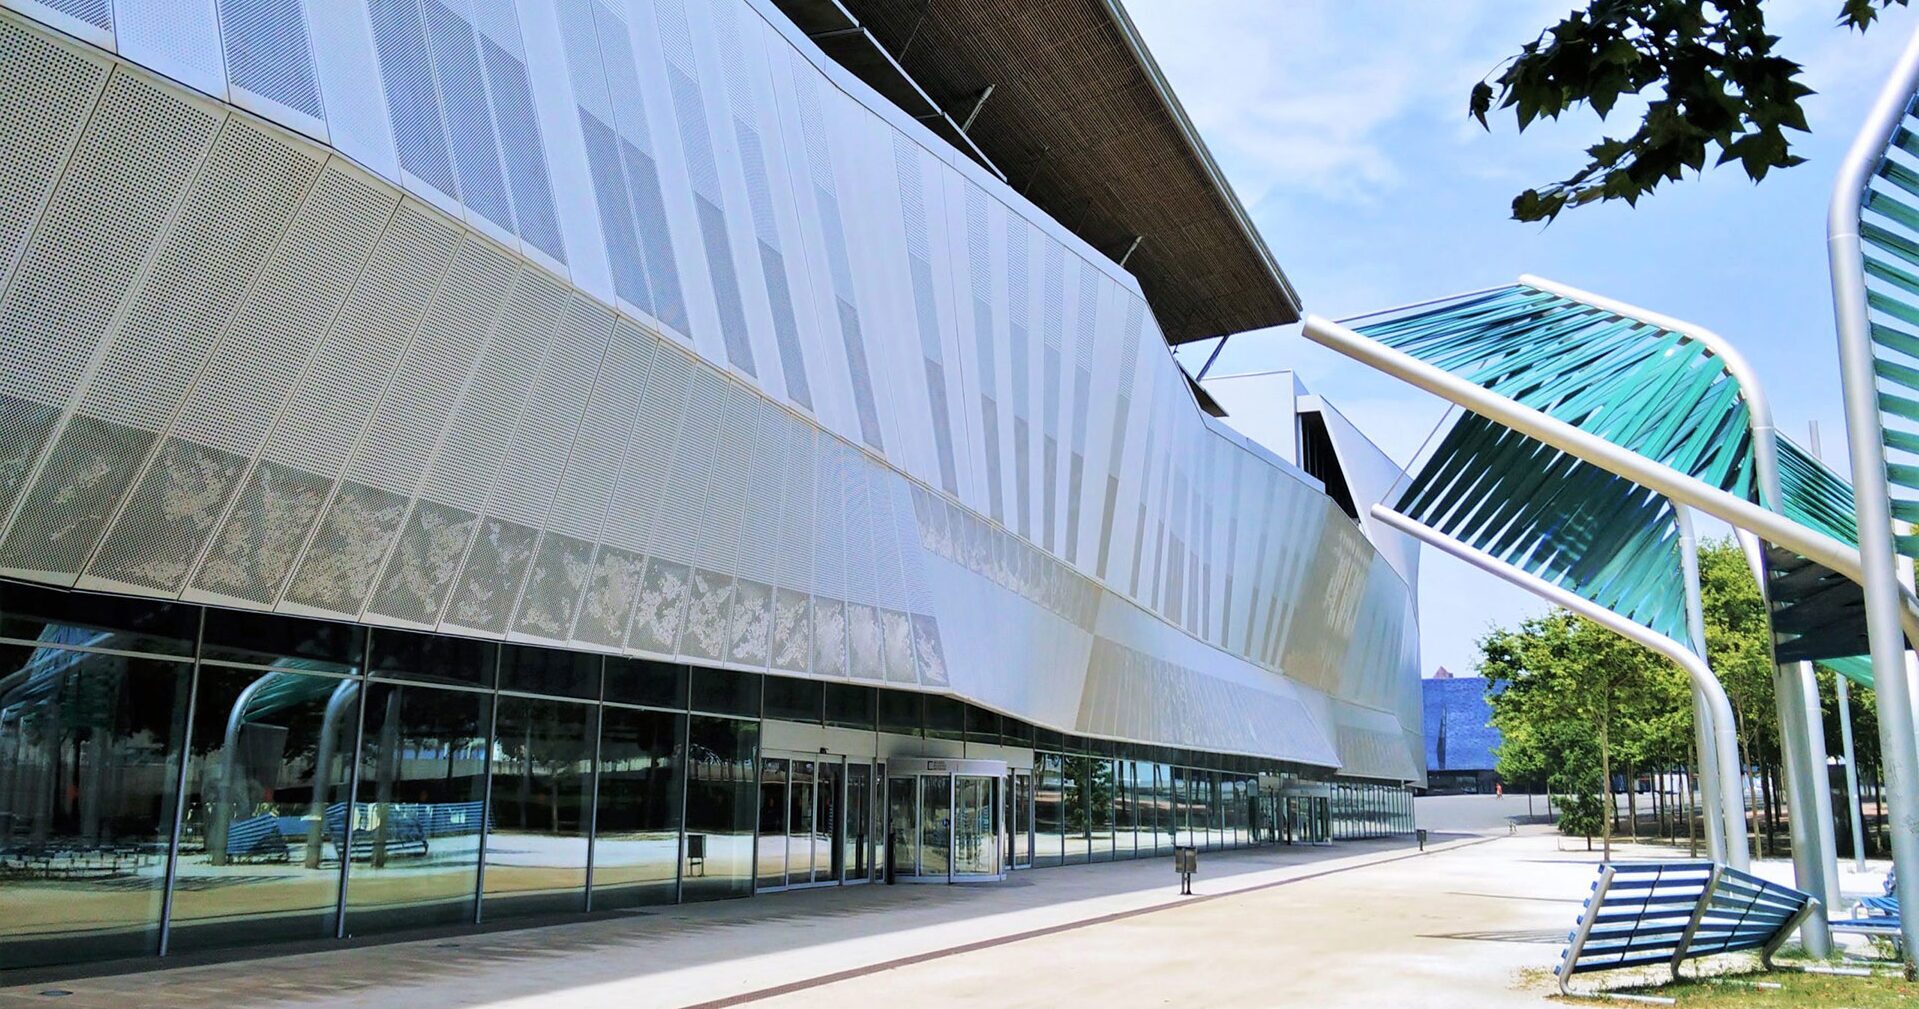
point(1648, 914)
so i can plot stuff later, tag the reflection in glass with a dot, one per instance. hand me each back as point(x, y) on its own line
point(415, 822)
point(794, 700)
point(857, 859)
point(433, 658)
point(799, 824)
point(826, 823)
point(95, 621)
point(542, 788)
point(1022, 818)
point(721, 798)
point(975, 825)
point(1100, 797)
point(902, 827)
point(1182, 807)
point(726, 692)
point(1077, 786)
point(1048, 811)
point(551, 671)
point(267, 772)
point(1125, 815)
point(1164, 831)
point(89, 762)
point(637, 842)
point(771, 849)
point(936, 824)
point(644, 681)
point(269, 639)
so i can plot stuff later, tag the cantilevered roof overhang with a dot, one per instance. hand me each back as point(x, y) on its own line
point(1079, 120)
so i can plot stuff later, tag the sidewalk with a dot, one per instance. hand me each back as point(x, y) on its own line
point(703, 953)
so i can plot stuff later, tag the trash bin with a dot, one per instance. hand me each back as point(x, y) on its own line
point(1421, 834)
point(1186, 862)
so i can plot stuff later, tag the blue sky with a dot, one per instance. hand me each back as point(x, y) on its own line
point(1342, 125)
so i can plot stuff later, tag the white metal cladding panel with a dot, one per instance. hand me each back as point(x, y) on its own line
point(677, 528)
point(223, 235)
point(91, 20)
point(269, 55)
point(558, 119)
point(1020, 361)
point(579, 508)
point(646, 471)
point(889, 579)
point(412, 95)
point(523, 145)
point(179, 38)
point(539, 451)
point(225, 416)
point(43, 109)
point(120, 189)
point(796, 536)
point(348, 75)
point(981, 367)
point(253, 557)
point(463, 102)
point(858, 530)
point(829, 521)
point(559, 573)
point(727, 488)
point(1052, 386)
point(344, 380)
point(469, 455)
point(431, 377)
point(654, 236)
point(759, 537)
point(698, 318)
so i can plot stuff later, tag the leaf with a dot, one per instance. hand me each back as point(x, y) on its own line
point(1481, 103)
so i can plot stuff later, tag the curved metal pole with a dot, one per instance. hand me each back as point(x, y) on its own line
point(1711, 775)
point(229, 769)
point(1725, 745)
point(1872, 496)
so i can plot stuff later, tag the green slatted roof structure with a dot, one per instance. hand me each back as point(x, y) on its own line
point(1659, 392)
point(1889, 237)
point(1551, 515)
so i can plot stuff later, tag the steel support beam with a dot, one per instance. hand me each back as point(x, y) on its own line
point(1872, 496)
point(1725, 743)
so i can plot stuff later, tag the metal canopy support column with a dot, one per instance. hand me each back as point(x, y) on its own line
point(1711, 775)
point(1872, 496)
point(1725, 744)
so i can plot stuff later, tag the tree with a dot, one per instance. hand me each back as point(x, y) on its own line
point(1709, 75)
point(1739, 650)
point(1569, 697)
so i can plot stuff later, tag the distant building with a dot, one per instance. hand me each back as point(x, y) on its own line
point(1460, 738)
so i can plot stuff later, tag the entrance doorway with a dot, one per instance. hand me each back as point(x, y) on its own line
point(815, 822)
point(945, 820)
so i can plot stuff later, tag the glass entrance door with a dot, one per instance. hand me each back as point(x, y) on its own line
point(805, 837)
point(799, 823)
point(772, 841)
point(856, 853)
point(902, 827)
point(976, 823)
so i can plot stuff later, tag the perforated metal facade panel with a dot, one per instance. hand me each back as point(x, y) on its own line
point(239, 370)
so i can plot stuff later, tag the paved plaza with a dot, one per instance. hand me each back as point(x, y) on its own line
point(1476, 920)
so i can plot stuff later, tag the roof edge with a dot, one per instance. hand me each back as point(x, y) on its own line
point(1129, 32)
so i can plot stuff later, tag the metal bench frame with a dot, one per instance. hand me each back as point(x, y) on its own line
point(1722, 888)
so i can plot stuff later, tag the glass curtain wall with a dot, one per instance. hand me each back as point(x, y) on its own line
point(1049, 809)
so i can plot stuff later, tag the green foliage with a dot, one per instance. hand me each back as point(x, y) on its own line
point(1582, 814)
point(1708, 74)
point(1739, 644)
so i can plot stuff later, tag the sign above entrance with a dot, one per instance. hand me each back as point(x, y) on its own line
point(945, 765)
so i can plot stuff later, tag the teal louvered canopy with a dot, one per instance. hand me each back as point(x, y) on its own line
point(1656, 391)
point(1889, 237)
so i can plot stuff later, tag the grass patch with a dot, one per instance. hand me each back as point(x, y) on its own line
point(1796, 991)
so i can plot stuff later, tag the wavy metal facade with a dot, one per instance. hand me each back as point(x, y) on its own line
point(635, 327)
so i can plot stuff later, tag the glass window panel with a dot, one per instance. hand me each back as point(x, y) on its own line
point(975, 825)
point(637, 834)
point(770, 850)
point(1078, 792)
point(793, 699)
point(722, 796)
point(644, 681)
point(936, 824)
point(268, 639)
point(97, 621)
point(902, 826)
point(1101, 794)
point(801, 823)
point(945, 717)
point(851, 706)
point(552, 671)
point(1049, 810)
point(1022, 818)
point(542, 790)
point(415, 823)
point(89, 763)
point(857, 857)
point(982, 726)
point(899, 712)
point(726, 692)
point(1124, 805)
point(828, 794)
point(1165, 809)
point(433, 658)
point(270, 759)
